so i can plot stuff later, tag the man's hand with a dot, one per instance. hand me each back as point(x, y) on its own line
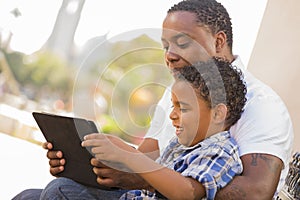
point(56, 160)
point(113, 178)
point(259, 180)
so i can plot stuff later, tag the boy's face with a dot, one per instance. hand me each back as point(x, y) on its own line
point(185, 41)
point(190, 115)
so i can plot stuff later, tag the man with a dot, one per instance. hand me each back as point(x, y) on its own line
point(264, 133)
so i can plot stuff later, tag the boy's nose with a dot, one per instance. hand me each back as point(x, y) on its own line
point(173, 115)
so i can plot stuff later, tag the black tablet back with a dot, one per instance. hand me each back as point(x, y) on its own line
point(66, 134)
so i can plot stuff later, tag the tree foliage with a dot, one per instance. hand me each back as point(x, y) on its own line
point(44, 73)
point(132, 80)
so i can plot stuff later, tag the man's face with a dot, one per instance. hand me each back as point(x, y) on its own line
point(185, 41)
point(190, 115)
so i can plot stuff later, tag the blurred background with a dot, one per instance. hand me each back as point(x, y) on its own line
point(103, 60)
point(91, 59)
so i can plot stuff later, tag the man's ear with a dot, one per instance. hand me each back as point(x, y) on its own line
point(219, 113)
point(221, 39)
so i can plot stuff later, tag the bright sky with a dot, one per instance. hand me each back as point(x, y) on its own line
point(113, 17)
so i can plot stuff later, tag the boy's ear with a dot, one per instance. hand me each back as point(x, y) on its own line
point(219, 113)
point(221, 39)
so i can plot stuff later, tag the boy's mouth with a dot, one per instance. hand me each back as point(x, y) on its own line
point(179, 130)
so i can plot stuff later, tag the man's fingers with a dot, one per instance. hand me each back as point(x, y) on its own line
point(97, 163)
point(55, 170)
point(57, 162)
point(56, 166)
point(105, 182)
point(54, 154)
point(47, 145)
point(104, 172)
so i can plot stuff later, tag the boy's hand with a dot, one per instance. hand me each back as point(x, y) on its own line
point(108, 147)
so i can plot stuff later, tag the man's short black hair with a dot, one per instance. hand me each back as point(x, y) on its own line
point(209, 13)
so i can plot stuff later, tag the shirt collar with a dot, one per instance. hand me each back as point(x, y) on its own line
point(207, 141)
point(238, 63)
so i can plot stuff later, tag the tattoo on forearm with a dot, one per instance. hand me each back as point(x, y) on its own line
point(272, 165)
point(254, 159)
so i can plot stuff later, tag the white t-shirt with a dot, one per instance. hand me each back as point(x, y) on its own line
point(264, 127)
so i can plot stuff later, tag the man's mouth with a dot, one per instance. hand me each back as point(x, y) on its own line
point(174, 72)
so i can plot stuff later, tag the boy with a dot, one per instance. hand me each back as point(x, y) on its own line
point(208, 98)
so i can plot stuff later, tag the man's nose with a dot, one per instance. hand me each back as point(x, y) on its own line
point(171, 56)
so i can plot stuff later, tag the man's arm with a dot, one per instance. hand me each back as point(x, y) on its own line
point(259, 180)
point(149, 147)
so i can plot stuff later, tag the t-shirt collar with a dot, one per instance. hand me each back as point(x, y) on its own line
point(238, 63)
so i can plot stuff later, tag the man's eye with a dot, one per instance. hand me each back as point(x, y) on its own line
point(183, 46)
point(166, 48)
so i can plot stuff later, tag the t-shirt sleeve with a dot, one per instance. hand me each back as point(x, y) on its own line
point(161, 127)
point(265, 127)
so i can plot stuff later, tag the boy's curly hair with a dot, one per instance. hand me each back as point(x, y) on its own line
point(217, 81)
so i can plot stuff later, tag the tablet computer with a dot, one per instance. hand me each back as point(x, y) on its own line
point(66, 134)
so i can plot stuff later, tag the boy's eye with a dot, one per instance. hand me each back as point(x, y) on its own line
point(183, 110)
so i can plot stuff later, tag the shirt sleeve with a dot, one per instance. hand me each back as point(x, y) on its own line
point(265, 127)
point(214, 170)
point(161, 127)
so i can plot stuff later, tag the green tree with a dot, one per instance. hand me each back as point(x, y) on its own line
point(132, 79)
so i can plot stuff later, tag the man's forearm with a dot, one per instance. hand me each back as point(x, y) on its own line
point(149, 147)
point(136, 182)
point(259, 179)
point(234, 190)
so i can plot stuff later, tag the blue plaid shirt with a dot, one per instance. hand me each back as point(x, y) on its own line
point(213, 162)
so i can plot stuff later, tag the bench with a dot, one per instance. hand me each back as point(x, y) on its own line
point(291, 189)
